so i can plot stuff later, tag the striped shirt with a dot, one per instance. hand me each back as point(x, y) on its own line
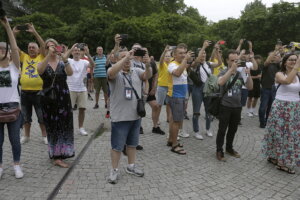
point(100, 71)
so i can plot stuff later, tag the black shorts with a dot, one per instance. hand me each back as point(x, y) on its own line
point(151, 98)
point(88, 76)
point(255, 92)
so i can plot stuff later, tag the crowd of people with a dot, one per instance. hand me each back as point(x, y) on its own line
point(56, 80)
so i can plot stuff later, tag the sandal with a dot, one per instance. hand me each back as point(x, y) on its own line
point(272, 161)
point(285, 169)
point(60, 163)
point(169, 144)
point(177, 149)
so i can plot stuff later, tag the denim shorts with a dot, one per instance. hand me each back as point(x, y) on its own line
point(177, 106)
point(29, 100)
point(125, 132)
point(161, 94)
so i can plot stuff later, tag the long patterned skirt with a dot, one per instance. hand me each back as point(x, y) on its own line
point(282, 138)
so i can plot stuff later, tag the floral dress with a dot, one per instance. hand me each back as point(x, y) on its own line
point(58, 117)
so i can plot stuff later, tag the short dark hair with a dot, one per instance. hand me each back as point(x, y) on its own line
point(180, 46)
point(258, 57)
point(230, 51)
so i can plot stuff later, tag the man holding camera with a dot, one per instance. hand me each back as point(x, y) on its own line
point(125, 123)
point(231, 82)
point(78, 90)
point(31, 82)
point(268, 90)
point(100, 77)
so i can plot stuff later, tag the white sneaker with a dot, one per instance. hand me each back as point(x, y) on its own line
point(183, 134)
point(250, 114)
point(18, 171)
point(24, 139)
point(255, 114)
point(45, 140)
point(198, 136)
point(82, 131)
point(1, 172)
point(242, 117)
point(209, 133)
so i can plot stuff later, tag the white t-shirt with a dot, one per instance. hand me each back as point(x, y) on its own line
point(9, 78)
point(242, 70)
point(203, 74)
point(76, 81)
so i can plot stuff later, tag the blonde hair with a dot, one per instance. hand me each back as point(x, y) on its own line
point(51, 40)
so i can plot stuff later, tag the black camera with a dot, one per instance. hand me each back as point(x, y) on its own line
point(22, 27)
point(139, 52)
point(242, 64)
point(124, 38)
point(2, 12)
point(81, 46)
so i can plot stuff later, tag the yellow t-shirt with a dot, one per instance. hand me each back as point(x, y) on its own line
point(219, 68)
point(30, 79)
point(163, 75)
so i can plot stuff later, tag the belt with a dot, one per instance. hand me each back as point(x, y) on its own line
point(30, 91)
point(9, 105)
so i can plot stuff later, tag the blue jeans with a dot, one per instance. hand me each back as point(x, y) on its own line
point(266, 99)
point(125, 132)
point(14, 138)
point(197, 99)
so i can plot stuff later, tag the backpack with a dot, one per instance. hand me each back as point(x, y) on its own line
point(195, 75)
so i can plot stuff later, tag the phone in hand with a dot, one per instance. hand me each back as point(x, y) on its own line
point(222, 42)
point(124, 38)
point(59, 49)
point(140, 52)
point(22, 27)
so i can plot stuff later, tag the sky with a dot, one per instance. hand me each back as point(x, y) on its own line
point(215, 10)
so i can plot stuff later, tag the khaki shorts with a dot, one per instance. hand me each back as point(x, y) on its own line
point(79, 98)
point(100, 83)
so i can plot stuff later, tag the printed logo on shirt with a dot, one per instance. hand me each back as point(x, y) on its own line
point(5, 79)
point(30, 70)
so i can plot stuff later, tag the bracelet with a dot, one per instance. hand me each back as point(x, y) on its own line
point(66, 63)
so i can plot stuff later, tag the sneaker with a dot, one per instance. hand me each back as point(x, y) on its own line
point(82, 131)
point(1, 172)
point(24, 139)
point(45, 140)
point(18, 171)
point(107, 114)
point(233, 153)
point(262, 125)
point(141, 130)
point(139, 147)
point(209, 133)
point(183, 134)
point(96, 106)
point(255, 114)
point(90, 97)
point(250, 114)
point(198, 136)
point(158, 131)
point(113, 176)
point(220, 156)
point(134, 171)
point(242, 117)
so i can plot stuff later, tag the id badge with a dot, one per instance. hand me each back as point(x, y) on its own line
point(128, 93)
point(230, 93)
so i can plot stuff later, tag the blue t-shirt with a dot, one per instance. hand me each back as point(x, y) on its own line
point(100, 71)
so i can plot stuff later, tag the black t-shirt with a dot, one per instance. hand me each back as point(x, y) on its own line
point(154, 72)
point(268, 75)
point(255, 73)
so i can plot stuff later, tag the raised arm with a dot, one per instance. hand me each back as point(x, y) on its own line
point(13, 44)
point(116, 68)
point(87, 53)
point(37, 36)
point(238, 49)
point(162, 57)
point(184, 65)
point(281, 78)
point(148, 72)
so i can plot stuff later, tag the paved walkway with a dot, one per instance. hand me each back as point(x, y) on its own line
point(198, 175)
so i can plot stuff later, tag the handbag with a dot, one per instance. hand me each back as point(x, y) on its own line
point(214, 102)
point(9, 112)
point(140, 108)
point(49, 93)
point(195, 77)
